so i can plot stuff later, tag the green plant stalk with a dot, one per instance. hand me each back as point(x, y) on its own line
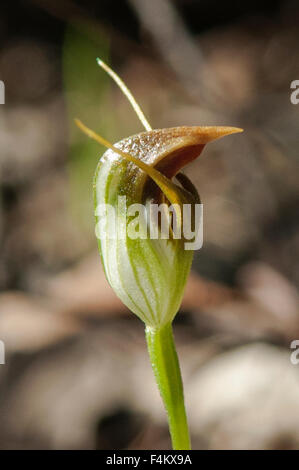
point(167, 372)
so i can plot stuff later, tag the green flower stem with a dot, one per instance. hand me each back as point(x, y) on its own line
point(167, 372)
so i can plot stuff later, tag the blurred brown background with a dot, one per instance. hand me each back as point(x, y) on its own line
point(77, 375)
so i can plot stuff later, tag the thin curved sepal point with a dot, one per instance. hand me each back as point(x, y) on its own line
point(173, 193)
point(128, 94)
